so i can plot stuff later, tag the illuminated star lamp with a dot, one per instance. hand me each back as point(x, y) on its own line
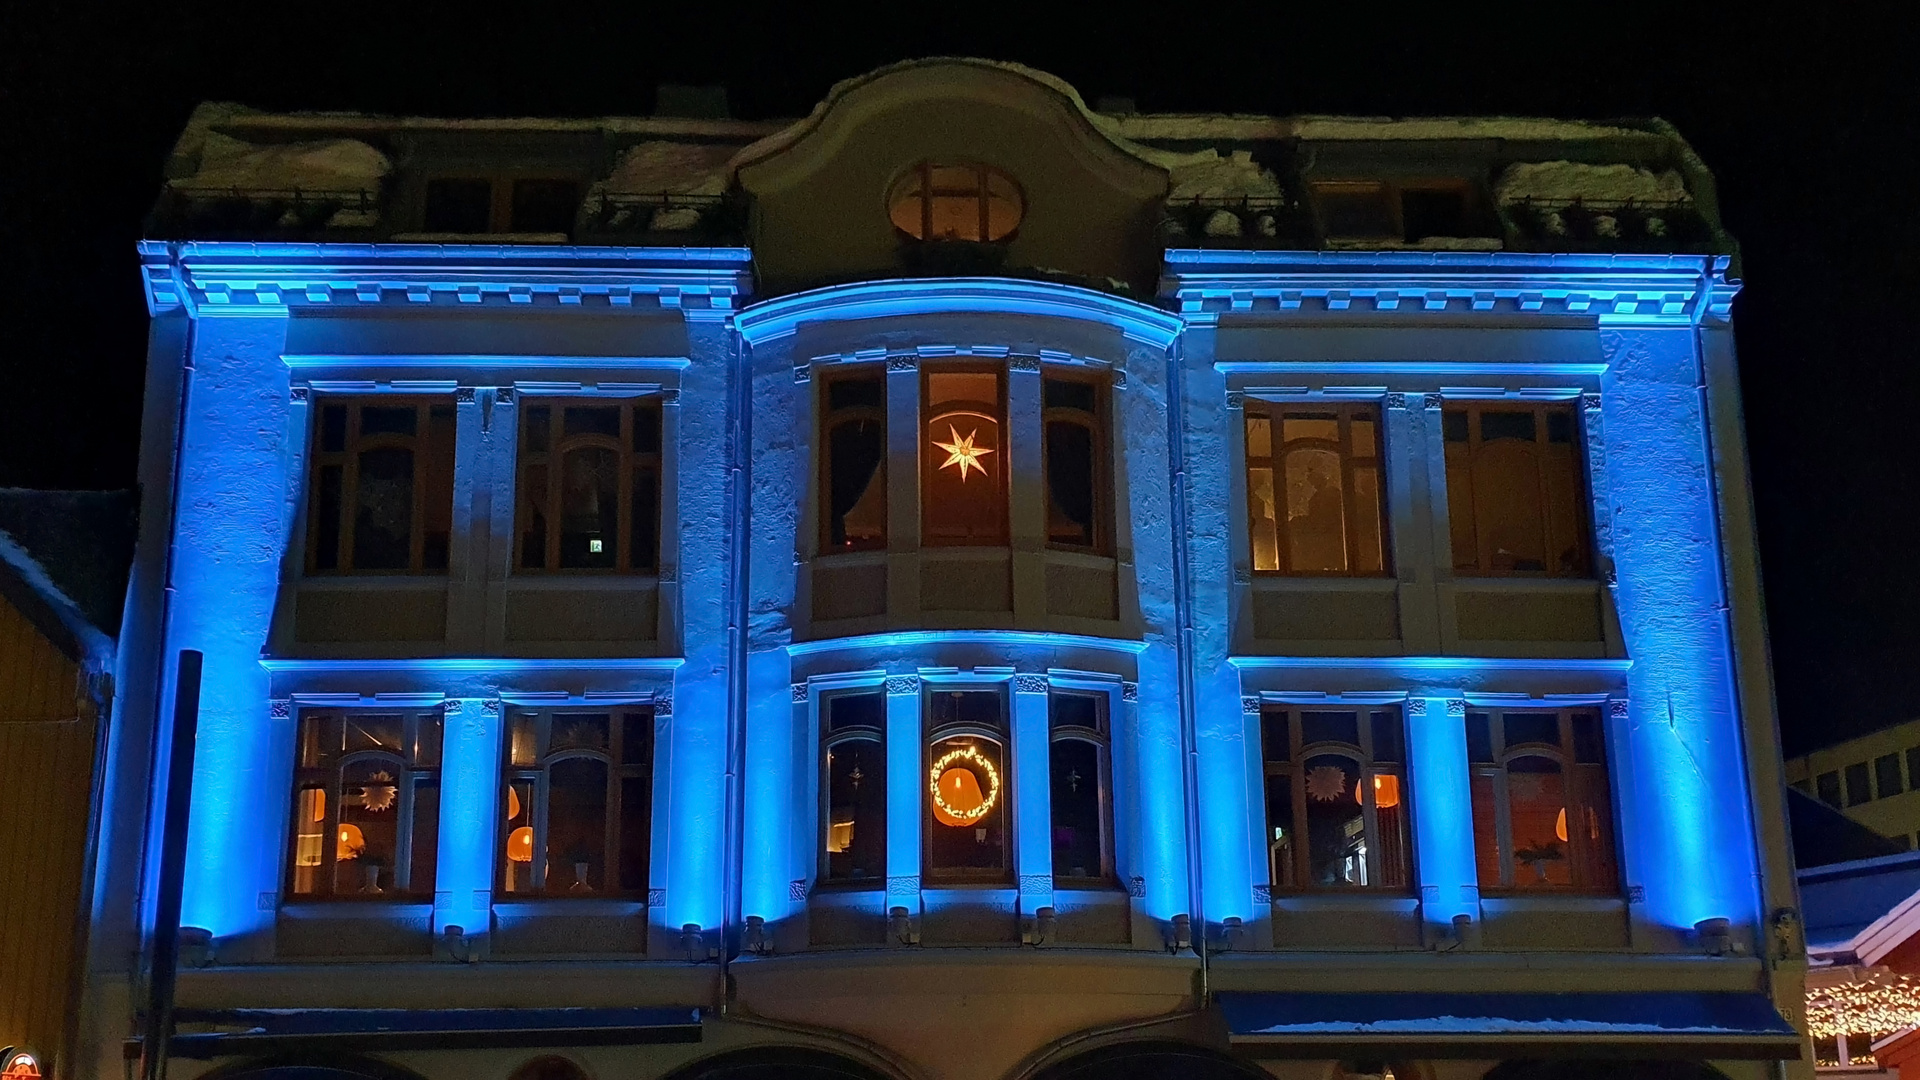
point(1861, 1001)
point(957, 798)
point(961, 452)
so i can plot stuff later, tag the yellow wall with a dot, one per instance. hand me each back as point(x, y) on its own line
point(46, 764)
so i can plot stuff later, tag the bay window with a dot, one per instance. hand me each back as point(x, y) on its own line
point(578, 804)
point(968, 789)
point(853, 463)
point(1081, 800)
point(366, 805)
point(1542, 809)
point(1337, 798)
point(854, 789)
point(963, 498)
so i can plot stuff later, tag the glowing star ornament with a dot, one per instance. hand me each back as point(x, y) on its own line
point(962, 453)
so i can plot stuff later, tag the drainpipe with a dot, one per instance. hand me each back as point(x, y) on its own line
point(739, 451)
point(1183, 651)
point(173, 868)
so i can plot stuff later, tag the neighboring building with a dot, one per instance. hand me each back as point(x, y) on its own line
point(1874, 779)
point(957, 586)
point(1861, 920)
point(63, 577)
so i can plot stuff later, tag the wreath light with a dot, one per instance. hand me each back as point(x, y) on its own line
point(945, 809)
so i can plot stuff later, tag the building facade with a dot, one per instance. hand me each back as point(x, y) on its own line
point(959, 585)
point(1871, 779)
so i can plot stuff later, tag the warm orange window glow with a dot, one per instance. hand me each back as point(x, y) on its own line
point(963, 477)
point(1516, 491)
point(520, 844)
point(955, 202)
point(1315, 503)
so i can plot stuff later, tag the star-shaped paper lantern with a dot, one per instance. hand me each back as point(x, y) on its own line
point(962, 453)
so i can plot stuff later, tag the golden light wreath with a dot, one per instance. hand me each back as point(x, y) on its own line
point(972, 754)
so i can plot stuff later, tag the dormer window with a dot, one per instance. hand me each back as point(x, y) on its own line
point(956, 202)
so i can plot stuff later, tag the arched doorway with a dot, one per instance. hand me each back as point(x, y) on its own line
point(778, 1063)
point(1152, 1061)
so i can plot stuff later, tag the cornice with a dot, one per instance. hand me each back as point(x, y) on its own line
point(239, 279)
point(1615, 290)
point(778, 318)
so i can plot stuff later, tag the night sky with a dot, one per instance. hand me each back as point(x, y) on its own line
point(1807, 115)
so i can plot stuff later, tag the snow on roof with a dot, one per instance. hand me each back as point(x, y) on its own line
point(320, 164)
point(1454, 127)
point(1840, 902)
point(677, 168)
point(64, 557)
point(1209, 175)
point(1554, 180)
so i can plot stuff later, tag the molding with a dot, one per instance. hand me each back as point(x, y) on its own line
point(904, 885)
point(1029, 684)
point(899, 638)
point(209, 278)
point(1615, 290)
point(1456, 706)
point(1129, 691)
point(772, 320)
point(798, 693)
point(797, 890)
point(1137, 888)
point(1250, 705)
point(656, 898)
point(1263, 895)
point(1036, 884)
point(903, 685)
point(1416, 706)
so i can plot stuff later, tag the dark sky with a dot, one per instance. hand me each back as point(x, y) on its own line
point(1806, 113)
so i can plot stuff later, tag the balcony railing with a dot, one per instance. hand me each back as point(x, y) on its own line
point(1267, 222)
point(662, 218)
point(233, 213)
point(1596, 225)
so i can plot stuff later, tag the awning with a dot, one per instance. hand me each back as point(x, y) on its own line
point(1658, 1024)
point(260, 1031)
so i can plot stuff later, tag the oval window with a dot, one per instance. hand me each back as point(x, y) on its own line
point(934, 201)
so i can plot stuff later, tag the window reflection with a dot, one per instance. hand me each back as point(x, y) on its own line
point(854, 464)
point(1516, 497)
point(381, 494)
point(1336, 798)
point(853, 730)
point(577, 813)
point(366, 806)
point(588, 490)
point(1542, 809)
point(1314, 503)
point(1081, 806)
point(1075, 454)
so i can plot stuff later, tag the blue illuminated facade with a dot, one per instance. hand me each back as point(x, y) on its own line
point(775, 596)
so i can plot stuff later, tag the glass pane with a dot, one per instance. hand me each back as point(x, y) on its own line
point(857, 484)
point(1280, 832)
point(1355, 209)
point(1322, 426)
point(1073, 711)
point(1369, 551)
point(1566, 510)
point(1364, 439)
point(1597, 869)
point(592, 420)
point(375, 731)
point(383, 512)
point(1433, 212)
point(333, 428)
point(389, 420)
point(1329, 727)
point(1068, 394)
point(522, 747)
point(857, 711)
point(1316, 512)
point(425, 841)
point(981, 707)
point(458, 206)
point(1560, 426)
point(963, 498)
point(589, 507)
point(866, 392)
point(1453, 425)
point(636, 738)
point(575, 732)
point(426, 741)
point(576, 825)
point(1827, 787)
point(518, 836)
point(1003, 205)
point(856, 825)
point(1503, 424)
point(1486, 829)
point(544, 206)
point(646, 428)
point(968, 809)
point(1079, 834)
point(1858, 790)
point(1336, 825)
point(309, 838)
point(1070, 481)
point(1394, 859)
point(327, 508)
point(1259, 436)
point(436, 502)
point(1274, 725)
point(1537, 811)
point(1507, 510)
point(533, 518)
point(1521, 728)
point(1389, 743)
point(645, 520)
point(536, 429)
point(1588, 746)
point(955, 217)
point(315, 748)
point(1480, 738)
point(1463, 532)
point(636, 832)
point(1886, 769)
point(369, 830)
point(1263, 519)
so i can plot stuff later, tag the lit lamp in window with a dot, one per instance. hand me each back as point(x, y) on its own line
point(352, 841)
point(958, 799)
point(520, 844)
point(1386, 792)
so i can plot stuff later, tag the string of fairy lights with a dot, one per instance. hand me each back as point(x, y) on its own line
point(1871, 1002)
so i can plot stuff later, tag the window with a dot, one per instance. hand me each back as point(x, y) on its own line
point(1515, 496)
point(1858, 791)
point(1336, 798)
point(579, 803)
point(1076, 456)
point(854, 818)
point(366, 806)
point(381, 485)
point(1542, 813)
point(963, 499)
point(589, 485)
point(1325, 459)
point(1913, 765)
point(1081, 795)
point(1827, 785)
point(467, 204)
point(955, 202)
point(853, 463)
point(967, 791)
point(1405, 211)
point(1886, 769)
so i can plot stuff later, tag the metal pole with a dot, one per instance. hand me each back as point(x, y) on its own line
point(173, 868)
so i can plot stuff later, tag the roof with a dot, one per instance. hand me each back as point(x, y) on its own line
point(64, 560)
point(1852, 906)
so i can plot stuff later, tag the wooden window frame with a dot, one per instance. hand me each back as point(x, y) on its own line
point(829, 418)
point(500, 196)
point(1541, 411)
point(1001, 736)
point(346, 459)
point(829, 740)
point(997, 462)
point(1394, 190)
point(1097, 423)
point(1100, 736)
point(1292, 772)
point(922, 174)
point(539, 815)
point(409, 777)
point(632, 462)
point(1575, 783)
point(1275, 413)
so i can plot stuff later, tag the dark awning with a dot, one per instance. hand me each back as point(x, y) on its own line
point(1659, 1024)
point(260, 1031)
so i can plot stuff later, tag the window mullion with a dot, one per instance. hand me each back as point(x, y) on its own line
point(420, 444)
point(556, 464)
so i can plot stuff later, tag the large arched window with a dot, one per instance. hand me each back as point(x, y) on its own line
point(1073, 413)
point(579, 804)
point(963, 473)
point(366, 806)
point(589, 486)
point(1542, 811)
point(1336, 798)
point(853, 462)
point(1080, 787)
point(967, 788)
point(854, 789)
point(1314, 498)
point(381, 490)
point(1516, 500)
point(934, 201)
